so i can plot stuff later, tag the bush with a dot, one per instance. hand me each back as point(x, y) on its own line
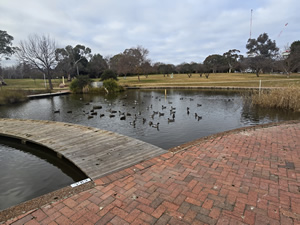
point(109, 74)
point(112, 86)
point(81, 84)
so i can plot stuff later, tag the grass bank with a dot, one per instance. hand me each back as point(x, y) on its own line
point(214, 80)
point(12, 96)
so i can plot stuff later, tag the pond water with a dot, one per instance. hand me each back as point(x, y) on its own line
point(220, 111)
point(29, 171)
point(217, 111)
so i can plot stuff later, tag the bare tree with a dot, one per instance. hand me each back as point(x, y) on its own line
point(39, 52)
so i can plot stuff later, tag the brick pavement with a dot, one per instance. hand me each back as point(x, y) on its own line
point(249, 176)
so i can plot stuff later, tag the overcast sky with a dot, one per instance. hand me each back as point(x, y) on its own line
point(174, 31)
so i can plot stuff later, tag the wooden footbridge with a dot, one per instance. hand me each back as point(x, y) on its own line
point(95, 152)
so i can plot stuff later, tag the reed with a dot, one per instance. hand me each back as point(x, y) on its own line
point(284, 98)
point(12, 96)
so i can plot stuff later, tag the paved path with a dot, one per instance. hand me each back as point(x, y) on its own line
point(249, 176)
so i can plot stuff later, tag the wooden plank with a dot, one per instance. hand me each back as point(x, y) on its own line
point(96, 152)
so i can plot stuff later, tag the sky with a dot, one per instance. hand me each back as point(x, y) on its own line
point(174, 31)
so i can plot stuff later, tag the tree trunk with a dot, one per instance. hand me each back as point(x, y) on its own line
point(257, 73)
point(49, 80)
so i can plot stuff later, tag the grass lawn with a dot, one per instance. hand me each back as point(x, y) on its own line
point(32, 85)
point(214, 80)
point(178, 80)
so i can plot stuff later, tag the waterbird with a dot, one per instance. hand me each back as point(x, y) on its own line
point(57, 111)
point(101, 115)
point(123, 117)
point(199, 105)
point(69, 111)
point(155, 125)
point(90, 117)
point(161, 114)
point(171, 120)
point(111, 115)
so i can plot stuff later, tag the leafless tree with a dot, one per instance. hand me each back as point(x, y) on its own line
point(39, 52)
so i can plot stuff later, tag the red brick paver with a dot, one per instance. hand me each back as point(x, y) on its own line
point(244, 177)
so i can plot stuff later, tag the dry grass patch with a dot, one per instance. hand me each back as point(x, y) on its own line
point(214, 80)
point(284, 98)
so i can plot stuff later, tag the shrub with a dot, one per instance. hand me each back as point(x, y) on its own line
point(109, 74)
point(80, 84)
point(112, 86)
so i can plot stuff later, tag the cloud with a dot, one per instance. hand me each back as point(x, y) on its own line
point(173, 31)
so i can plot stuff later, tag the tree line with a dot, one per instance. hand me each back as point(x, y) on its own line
point(39, 56)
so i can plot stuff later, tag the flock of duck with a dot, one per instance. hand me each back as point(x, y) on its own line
point(164, 111)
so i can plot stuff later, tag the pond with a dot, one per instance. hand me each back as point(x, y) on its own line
point(29, 171)
point(216, 111)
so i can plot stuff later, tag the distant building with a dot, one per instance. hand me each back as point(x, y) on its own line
point(286, 54)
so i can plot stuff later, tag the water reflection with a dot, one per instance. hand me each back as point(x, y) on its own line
point(220, 111)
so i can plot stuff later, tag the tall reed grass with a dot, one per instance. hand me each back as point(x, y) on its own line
point(12, 96)
point(284, 98)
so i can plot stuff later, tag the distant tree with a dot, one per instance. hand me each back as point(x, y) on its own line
point(136, 58)
point(231, 58)
point(39, 52)
point(261, 52)
point(215, 63)
point(289, 61)
point(71, 59)
point(109, 74)
point(6, 48)
point(97, 66)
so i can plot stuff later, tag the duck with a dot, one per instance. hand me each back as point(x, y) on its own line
point(155, 125)
point(101, 115)
point(161, 114)
point(70, 111)
point(90, 117)
point(123, 117)
point(57, 111)
point(171, 120)
point(163, 107)
point(199, 105)
point(111, 115)
point(199, 118)
point(150, 123)
point(144, 120)
point(94, 113)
